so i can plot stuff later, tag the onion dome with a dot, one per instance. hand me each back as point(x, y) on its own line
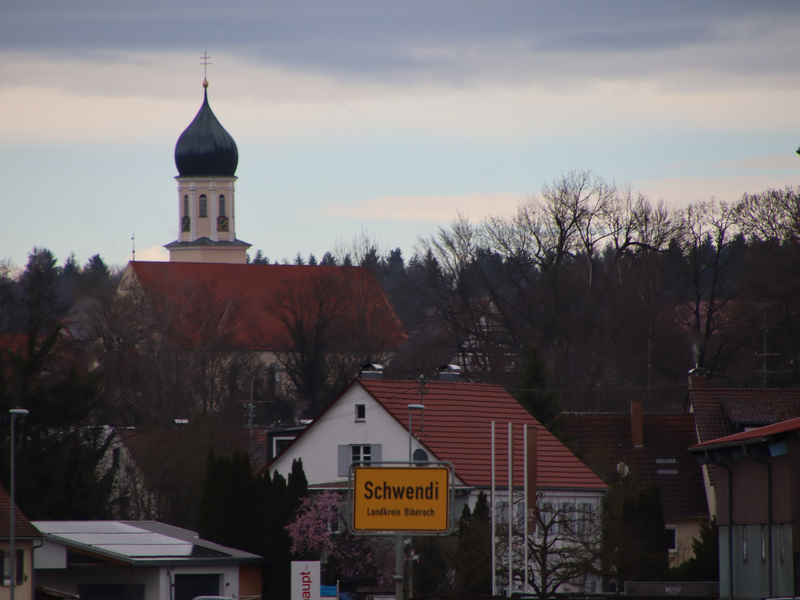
point(205, 148)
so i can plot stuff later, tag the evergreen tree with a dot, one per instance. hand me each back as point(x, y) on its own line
point(57, 449)
point(297, 488)
point(279, 544)
point(640, 541)
point(212, 503)
point(532, 392)
point(473, 557)
point(704, 565)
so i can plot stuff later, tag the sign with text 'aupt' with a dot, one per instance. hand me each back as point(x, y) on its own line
point(305, 580)
point(401, 499)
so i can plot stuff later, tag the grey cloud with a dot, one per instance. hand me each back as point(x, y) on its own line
point(455, 39)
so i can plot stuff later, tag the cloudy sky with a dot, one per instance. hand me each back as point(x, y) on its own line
point(358, 117)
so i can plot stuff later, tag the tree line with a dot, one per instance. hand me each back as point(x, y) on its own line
point(588, 296)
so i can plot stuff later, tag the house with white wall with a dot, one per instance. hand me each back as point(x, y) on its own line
point(371, 422)
point(124, 560)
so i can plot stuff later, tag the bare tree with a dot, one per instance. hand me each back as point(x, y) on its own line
point(770, 215)
point(334, 320)
point(711, 252)
point(564, 550)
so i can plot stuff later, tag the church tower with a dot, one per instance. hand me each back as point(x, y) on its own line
point(206, 157)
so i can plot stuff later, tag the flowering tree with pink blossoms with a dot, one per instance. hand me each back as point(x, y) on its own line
point(318, 531)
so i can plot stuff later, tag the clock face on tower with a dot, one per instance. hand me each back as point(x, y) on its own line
point(186, 224)
point(222, 224)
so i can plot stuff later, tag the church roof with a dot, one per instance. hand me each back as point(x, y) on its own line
point(249, 306)
point(205, 149)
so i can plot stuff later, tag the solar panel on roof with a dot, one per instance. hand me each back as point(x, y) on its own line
point(58, 527)
point(183, 549)
point(128, 539)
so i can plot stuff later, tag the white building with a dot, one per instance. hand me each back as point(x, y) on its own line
point(124, 560)
point(369, 423)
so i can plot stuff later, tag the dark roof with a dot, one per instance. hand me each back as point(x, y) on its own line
point(603, 440)
point(458, 418)
point(360, 306)
point(720, 411)
point(23, 528)
point(204, 241)
point(753, 435)
point(205, 148)
point(161, 453)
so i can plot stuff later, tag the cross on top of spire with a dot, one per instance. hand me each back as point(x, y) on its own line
point(206, 61)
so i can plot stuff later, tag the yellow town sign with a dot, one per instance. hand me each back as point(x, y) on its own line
point(401, 499)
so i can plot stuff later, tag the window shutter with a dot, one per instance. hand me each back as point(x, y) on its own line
point(376, 453)
point(344, 460)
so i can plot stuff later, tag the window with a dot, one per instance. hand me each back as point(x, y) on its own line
point(19, 566)
point(203, 205)
point(565, 517)
point(585, 518)
point(279, 443)
point(362, 454)
point(221, 205)
point(501, 513)
point(744, 543)
point(273, 380)
point(763, 543)
point(782, 542)
point(361, 412)
point(671, 536)
point(357, 453)
point(186, 205)
point(546, 518)
point(115, 458)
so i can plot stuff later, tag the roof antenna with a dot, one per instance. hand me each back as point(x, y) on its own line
point(133, 247)
point(205, 64)
point(422, 382)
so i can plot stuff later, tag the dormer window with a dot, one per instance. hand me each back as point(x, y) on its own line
point(361, 412)
point(203, 205)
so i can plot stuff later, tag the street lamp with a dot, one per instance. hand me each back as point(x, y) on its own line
point(410, 427)
point(12, 567)
point(398, 578)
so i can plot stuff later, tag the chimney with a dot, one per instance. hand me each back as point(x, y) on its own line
point(637, 424)
point(698, 378)
point(371, 371)
point(449, 373)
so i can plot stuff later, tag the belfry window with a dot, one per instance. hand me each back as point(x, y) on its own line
point(203, 205)
point(221, 205)
point(186, 206)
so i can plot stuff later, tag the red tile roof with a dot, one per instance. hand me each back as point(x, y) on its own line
point(754, 434)
point(255, 285)
point(23, 528)
point(458, 420)
point(603, 440)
